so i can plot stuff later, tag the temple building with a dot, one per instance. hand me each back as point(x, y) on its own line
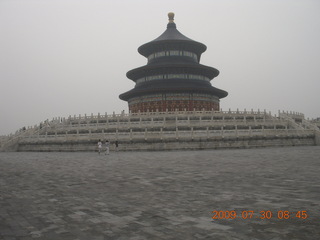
point(173, 78)
point(173, 106)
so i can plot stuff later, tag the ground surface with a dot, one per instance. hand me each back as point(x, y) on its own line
point(160, 195)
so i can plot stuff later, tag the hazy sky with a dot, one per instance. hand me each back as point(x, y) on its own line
point(70, 57)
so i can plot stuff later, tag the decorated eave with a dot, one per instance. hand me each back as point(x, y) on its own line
point(146, 70)
point(157, 87)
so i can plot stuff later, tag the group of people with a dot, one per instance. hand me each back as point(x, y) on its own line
point(107, 146)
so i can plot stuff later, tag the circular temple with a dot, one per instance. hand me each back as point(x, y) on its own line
point(173, 78)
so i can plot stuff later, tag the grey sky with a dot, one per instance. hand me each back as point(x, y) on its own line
point(70, 57)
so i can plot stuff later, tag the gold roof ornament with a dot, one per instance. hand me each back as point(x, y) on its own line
point(171, 17)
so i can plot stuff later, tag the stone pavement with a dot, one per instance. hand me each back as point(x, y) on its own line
point(161, 195)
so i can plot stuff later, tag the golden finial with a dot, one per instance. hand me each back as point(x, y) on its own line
point(171, 17)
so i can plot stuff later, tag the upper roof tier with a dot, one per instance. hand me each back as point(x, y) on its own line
point(171, 39)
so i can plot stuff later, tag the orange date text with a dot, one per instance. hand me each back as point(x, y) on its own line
point(265, 214)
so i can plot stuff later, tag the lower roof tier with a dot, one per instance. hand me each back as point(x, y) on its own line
point(178, 86)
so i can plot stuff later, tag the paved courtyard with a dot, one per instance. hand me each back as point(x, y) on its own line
point(161, 195)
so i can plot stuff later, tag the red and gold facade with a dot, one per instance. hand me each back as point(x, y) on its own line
point(173, 78)
point(174, 101)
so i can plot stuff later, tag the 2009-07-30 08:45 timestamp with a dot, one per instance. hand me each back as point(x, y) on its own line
point(281, 214)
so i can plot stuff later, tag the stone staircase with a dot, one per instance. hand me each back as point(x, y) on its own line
point(11, 143)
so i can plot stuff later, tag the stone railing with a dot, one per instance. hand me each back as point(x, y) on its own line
point(160, 114)
point(167, 135)
point(297, 117)
point(189, 123)
point(309, 125)
point(165, 126)
point(152, 119)
point(161, 119)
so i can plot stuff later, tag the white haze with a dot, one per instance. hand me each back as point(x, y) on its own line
point(70, 57)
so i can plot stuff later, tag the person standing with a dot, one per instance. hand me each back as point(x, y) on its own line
point(116, 145)
point(99, 146)
point(107, 147)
